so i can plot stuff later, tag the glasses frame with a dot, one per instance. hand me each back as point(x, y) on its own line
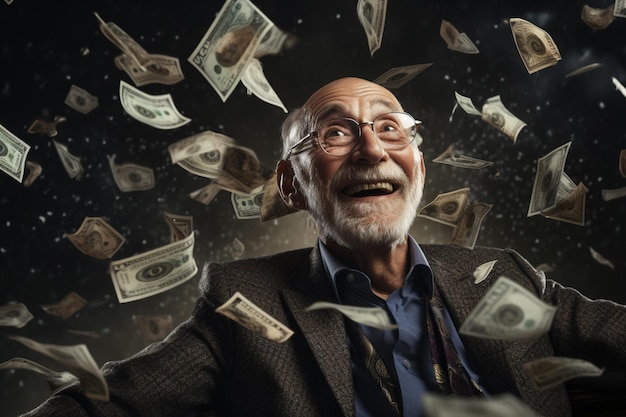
point(314, 135)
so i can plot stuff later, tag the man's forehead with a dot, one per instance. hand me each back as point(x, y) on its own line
point(340, 96)
point(338, 109)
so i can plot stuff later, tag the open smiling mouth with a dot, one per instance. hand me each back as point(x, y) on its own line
point(367, 190)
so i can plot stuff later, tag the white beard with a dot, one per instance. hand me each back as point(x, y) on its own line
point(355, 224)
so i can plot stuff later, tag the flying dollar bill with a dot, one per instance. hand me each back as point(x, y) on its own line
point(547, 179)
point(465, 233)
point(157, 111)
point(508, 311)
point(544, 267)
point(499, 405)
point(583, 69)
point(619, 86)
point(372, 14)
point(467, 104)
point(236, 249)
point(80, 100)
point(56, 380)
point(206, 194)
point(131, 177)
point(229, 44)
point(163, 70)
point(201, 154)
point(597, 18)
point(126, 43)
point(451, 157)
point(570, 209)
point(369, 316)
point(13, 152)
point(612, 194)
point(498, 116)
point(79, 362)
point(93, 334)
point(71, 163)
point(482, 271)
point(66, 307)
point(155, 271)
point(248, 206)
point(245, 313)
point(619, 8)
point(242, 172)
point(97, 238)
point(180, 225)
point(15, 315)
point(551, 371)
point(34, 171)
point(447, 208)
point(255, 81)
point(274, 42)
point(535, 45)
point(45, 127)
point(398, 76)
point(153, 327)
point(599, 258)
point(455, 40)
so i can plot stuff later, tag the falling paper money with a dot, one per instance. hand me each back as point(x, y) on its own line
point(482, 271)
point(369, 316)
point(243, 311)
point(508, 311)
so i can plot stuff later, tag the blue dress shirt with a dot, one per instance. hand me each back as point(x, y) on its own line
point(406, 350)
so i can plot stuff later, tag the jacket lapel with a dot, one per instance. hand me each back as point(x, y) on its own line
point(492, 358)
point(323, 330)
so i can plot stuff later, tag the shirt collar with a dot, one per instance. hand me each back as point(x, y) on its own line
point(419, 263)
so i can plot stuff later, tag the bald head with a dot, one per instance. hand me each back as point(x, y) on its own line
point(343, 89)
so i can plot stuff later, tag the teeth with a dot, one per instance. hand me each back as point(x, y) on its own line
point(357, 188)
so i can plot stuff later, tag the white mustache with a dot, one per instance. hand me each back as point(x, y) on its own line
point(349, 174)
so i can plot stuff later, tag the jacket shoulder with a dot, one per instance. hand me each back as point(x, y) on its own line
point(437, 251)
point(464, 261)
point(257, 274)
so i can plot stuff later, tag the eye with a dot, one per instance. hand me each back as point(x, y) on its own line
point(335, 129)
point(388, 127)
point(334, 132)
point(387, 122)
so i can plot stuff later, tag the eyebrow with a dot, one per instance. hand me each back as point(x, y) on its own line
point(335, 109)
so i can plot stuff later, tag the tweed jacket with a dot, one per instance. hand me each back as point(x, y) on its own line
point(209, 365)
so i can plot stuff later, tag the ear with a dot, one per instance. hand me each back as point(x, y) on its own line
point(288, 186)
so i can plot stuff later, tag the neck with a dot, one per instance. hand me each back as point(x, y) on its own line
point(386, 266)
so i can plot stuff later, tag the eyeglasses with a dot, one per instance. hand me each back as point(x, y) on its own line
point(339, 137)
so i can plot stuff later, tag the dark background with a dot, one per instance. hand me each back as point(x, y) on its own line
point(48, 46)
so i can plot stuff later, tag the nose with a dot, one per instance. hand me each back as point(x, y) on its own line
point(369, 148)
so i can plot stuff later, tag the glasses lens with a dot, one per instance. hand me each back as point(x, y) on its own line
point(339, 136)
point(395, 129)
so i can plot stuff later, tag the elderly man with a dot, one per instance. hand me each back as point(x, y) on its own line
point(351, 159)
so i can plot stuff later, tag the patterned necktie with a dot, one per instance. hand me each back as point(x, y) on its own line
point(450, 374)
point(374, 364)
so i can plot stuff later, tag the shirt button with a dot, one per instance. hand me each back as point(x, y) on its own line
point(350, 278)
point(406, 363)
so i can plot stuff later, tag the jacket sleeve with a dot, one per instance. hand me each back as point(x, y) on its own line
point(593, 330)
point(175, 377)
